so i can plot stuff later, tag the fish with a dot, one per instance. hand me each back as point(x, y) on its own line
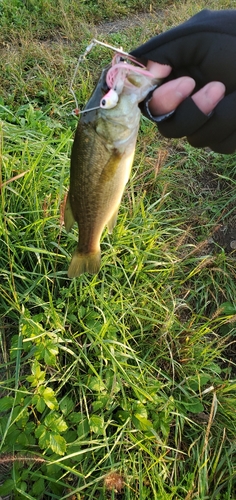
point(101, 160)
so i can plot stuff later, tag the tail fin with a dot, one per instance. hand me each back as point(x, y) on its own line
point(84, 263)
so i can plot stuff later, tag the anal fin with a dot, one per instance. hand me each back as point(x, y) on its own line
point(69, 219)
point(112, 222)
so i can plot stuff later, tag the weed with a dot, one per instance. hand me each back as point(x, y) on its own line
point(120, 385)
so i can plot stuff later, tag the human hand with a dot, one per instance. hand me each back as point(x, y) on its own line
point(198, 58)
point(168, 96)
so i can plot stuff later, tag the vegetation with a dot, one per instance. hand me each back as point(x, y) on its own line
point(120, 385)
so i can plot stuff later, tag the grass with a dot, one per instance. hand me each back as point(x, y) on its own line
point(120, 385)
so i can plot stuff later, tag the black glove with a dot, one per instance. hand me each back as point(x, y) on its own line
point(204, 47)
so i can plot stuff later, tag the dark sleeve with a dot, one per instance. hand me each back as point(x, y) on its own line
point(204, 47)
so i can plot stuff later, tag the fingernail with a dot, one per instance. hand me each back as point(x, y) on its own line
point(215, 91)
point(185, 87)
point(159, 70)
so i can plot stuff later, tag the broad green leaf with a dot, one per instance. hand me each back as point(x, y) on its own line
point(22, 397)
point(66, 405)
point(83, 428)
point(214, 367)
point(165, 428)
point(49, 397)
point(23, 486)
point(43, 435)
point(39, 402)
point(30, 427)
point(111, 382)
point(75, 417)
point(50, 353)
point(25, 474)
point(194, 406)
point(39, 351)
point(96, 385)
point(139, 410)
point(21, 415)
point(23, 439)
point(38, 486)
point(35, 368)
point(7, 487)
point(198, 382)
point(13, 434)
point(122, 416)
point(101, 402)
point(55, 422)
point(142, 423)
point(40, 430)
point(38, 317)
point(44, 441)
point(30, 328)
point(70, 436)
point(60, 425)
point(97, 424)
point(37, 376)
point(6, 403)
point(57, 443)
point(228, 308)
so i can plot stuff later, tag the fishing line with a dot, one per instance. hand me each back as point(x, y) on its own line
point(82, 57)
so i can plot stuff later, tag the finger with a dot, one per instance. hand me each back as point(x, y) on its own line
point(159, 70)
point(218, 132)
point(185, 121)
point(168, 96)
point(208, 97)
point(215, 130)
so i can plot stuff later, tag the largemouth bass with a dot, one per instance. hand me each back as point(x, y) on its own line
point(101, 160)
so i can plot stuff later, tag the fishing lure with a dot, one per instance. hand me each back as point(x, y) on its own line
point(119, 75)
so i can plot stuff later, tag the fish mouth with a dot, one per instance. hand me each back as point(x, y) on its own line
point(100, 90)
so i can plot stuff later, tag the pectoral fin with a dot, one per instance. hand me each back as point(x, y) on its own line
point(68, 216)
